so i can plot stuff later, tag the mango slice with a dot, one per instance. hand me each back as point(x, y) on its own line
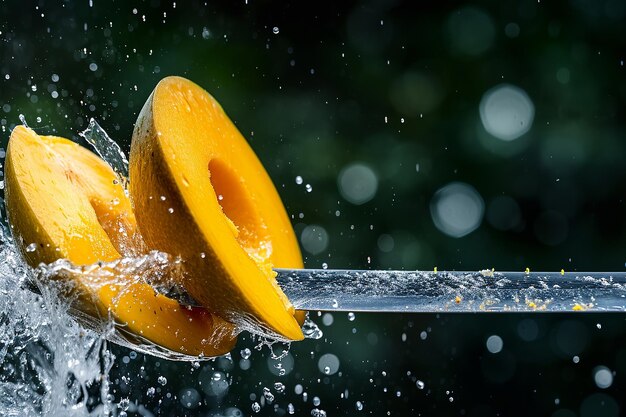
point(65, 202)
point(201, 193)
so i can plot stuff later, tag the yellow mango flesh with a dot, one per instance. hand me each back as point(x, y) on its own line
point(204, 195)
point(66, 201)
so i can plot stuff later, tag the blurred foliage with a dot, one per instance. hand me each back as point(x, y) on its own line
point(393, 85)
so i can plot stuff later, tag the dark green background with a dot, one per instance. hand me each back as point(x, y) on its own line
point(311, 100)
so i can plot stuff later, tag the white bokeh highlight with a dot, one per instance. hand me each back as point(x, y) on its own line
point(457, 209)
point(506, 112)
point(603, 377)
point(494, 344)
point(314, 239)
point(357, 183)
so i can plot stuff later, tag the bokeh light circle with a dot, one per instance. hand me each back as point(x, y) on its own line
point(603, 377)
point(494, 344)
point(457, 209)
point(314, 239)
point(506, 112)
point(357, 183)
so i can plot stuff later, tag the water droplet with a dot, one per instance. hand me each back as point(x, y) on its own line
point(269, 397)
point(170, 210)
point(324, 265)
point(124, 404)
point(31, 248)
point(162, 380)
point(279, 387)
point(311, 330)
point(291, 409)
point(206, 33)
point(309, 188)
point(299, 180)
point(245, 353)
point(256, 407)
point(275, 30)
point(351, 316)
point(316, 412)
point(420, 384)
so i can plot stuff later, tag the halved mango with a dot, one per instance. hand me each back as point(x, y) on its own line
point(65, 202)
point(200, 193)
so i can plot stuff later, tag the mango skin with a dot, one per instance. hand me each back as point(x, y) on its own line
point(62, 198)
point(205, 196)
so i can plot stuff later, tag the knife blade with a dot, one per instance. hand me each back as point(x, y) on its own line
point(453, 291)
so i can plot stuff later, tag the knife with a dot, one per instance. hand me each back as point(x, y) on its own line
point(453, 291)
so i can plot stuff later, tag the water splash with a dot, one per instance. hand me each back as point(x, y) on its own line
point(55, 360)
point(50, 364)
point(113, 155)
point(156, 269)
point(108, 149)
